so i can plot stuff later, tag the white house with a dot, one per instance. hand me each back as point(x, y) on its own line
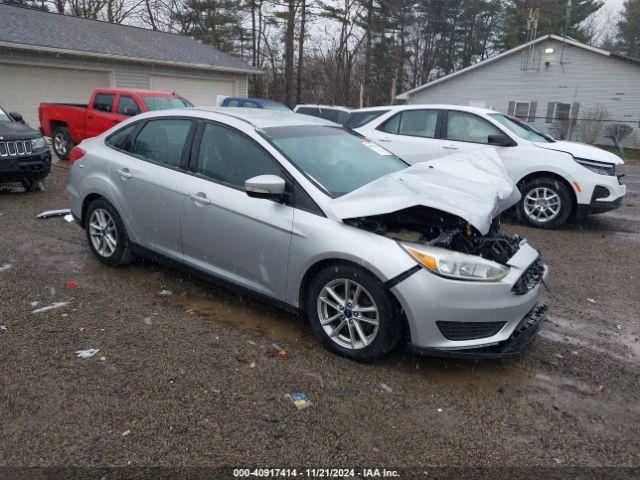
point(555, 83)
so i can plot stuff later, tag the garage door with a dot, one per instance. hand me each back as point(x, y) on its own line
point(24, 87)
point(198, 91)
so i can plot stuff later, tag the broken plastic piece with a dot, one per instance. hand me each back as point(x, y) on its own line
point(3, 328)
point(276, 346)
point(591, 300)
point(72, 284)
point(53, 306)
point(126, 432)
point(54, 213)
point(69, 218)
point(87, 353)
point(385, 387)
point(5, 266)
point(147, 321)
point(165, 293)
point(300, 400)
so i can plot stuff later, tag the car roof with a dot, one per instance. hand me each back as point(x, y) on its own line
point(317, 105)
point(256, 100)
point(399, 108)
point(138, 91)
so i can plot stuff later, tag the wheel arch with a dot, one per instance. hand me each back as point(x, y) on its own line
point(555, 176)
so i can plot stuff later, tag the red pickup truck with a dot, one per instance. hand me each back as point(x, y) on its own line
point(69, 123)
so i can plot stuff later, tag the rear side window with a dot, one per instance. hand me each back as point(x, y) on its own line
point(419, 123)
point(309, 111)
point(229, 157)
point(248, 104)
point(162, 141)
point(120, 139)
point(127, 106)
point(329, 114)
point(233, 103)
point(103, 101)
point(343, 117)
point(358, 119)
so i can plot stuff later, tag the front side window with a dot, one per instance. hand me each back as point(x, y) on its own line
point(335, 158)
point(229, 157)
point(120, 139)
point(162, 141)
point(165, 103)
point(103, 101)
point(467, 127)
point(127, 106)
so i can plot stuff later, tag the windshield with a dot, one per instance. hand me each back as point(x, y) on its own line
point(165, 103)
point(4, 116)
point(338, 160)
point(276, 106)
point(521, 129)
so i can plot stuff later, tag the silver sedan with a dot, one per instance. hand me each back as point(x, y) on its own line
point(303, 213)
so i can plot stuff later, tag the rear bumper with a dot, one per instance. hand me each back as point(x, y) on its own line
point(16, 169)
point(512, 346)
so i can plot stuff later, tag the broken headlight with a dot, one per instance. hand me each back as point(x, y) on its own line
point(456, 265)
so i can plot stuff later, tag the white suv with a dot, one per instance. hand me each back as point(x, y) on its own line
point(558, 179)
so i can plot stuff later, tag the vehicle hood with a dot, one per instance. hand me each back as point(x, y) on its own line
point(16, 131)
point(582, 150)
point(474, 186)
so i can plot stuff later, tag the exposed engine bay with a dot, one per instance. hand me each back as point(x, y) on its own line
point(439, 229)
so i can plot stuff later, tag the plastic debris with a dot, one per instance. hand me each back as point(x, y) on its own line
point(87, 353)
point(53, 306)
point(591, 300)
point(69, 218)
point(82, 329)
point(251, 342)
point(282, 353)
point(276, 346)
point(103, 358)
point(5, 266)
point(3, 328)
point(252, 365)
point(72, 284)
point(385, 387)
point(300, 400)
point(165, 293)
point(54, 213)
point(439, 410)
point(147, 321)
point(619, 327)
point(600, 388)
point(126, 432)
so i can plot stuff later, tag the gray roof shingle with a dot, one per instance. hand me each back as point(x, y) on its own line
point(42, 29)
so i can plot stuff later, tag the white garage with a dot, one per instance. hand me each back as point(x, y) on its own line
point(61, 59)
point(24, 87)
point(199, 92)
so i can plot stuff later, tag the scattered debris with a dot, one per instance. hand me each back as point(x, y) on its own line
point(126, 432)
point(191, 311)
point(276, 346)
point(87, 353)
point(251, 342)
point(599, 388)
point(72, 284)
point(69, 218)
point(5, 266)
point(53, 306)
point(574, 352)
point(3, 328)
point(300, 400)
point(165, 293)
point(619, 327)
point(82, 329)
point(439, 410)
point(282, 353)
point(559, 355)
point(252, 365)
point(54, 213)
point(385, 387)
point(591, 300)
point(147, 321)
point(103, 358)
point(36, 303)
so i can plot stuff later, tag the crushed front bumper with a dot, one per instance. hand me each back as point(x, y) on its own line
point(512, 346)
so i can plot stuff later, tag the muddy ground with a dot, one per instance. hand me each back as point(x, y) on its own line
point(192, 379)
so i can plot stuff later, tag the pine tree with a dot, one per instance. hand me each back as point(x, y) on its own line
point(629, 29)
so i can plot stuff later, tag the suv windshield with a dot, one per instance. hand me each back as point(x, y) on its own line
point(4, 116)
point(165, 103)
point(336, 159)
point(521, 129)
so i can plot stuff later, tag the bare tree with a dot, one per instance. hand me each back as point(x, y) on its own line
point(617, 132)
point(592, 125)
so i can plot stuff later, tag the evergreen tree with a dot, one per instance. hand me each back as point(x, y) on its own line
point(629, 29)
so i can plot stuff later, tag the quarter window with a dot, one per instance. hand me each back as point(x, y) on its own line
point(467, 127)
point(103, 101)
point(120, 139)
point(416, 123)
point(229, 157)
point(127, 106)
point(162, 141)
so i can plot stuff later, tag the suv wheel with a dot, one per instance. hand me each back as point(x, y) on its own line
point(106, 234)
point(351, 313)
point(62, 143)
point(545, 203)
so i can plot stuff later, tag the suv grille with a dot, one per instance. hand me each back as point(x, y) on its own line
point(14, 148)
point(469, 330)
point(531, 277)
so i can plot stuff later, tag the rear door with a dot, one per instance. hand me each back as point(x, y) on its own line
point(225, 232)
point(411, 135)
point(150, 179)
point(100, 114)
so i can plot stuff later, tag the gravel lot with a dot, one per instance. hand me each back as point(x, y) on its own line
point(192, 379)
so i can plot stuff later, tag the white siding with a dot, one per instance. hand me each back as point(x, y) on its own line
point(585, 77)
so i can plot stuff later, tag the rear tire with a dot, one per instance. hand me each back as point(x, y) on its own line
point(545, 203)
point(62, 143)
point(361, 324)
point(106, 234)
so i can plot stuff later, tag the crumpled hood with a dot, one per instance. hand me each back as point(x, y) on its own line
point(582, 150)
point(474, 186)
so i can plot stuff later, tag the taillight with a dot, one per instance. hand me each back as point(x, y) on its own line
point(76, 154)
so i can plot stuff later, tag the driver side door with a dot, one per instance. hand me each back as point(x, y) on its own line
point(226, 233)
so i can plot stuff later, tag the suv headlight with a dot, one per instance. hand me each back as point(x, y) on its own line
point(600, 168)
point(38, 143)
point(459, 266)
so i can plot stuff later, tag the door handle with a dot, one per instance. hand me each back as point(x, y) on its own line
point(124, 173)
point(384, 139)
point(200, 198)
point(450, 147)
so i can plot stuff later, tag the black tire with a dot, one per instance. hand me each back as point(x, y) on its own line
point(560, 189)
point(122, 254)
point(33, 184)
point(389, 328)
point(62, 143)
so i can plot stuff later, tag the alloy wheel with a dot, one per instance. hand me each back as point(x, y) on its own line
point(102, 230)
point(542, 204)
point(348, 314)
point(60, 144)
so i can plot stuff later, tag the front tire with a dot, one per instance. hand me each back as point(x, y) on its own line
point(33, 184)
point(106, 234)
point(545, 203)
point(62, 143)
point(351, 313)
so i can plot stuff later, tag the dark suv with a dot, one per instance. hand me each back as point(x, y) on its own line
point(24, 153)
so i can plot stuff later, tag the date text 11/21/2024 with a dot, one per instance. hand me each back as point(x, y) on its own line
point(316, 472)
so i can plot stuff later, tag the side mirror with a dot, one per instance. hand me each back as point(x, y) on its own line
point(16, 116)
point(265, 186)
point(500, 140)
